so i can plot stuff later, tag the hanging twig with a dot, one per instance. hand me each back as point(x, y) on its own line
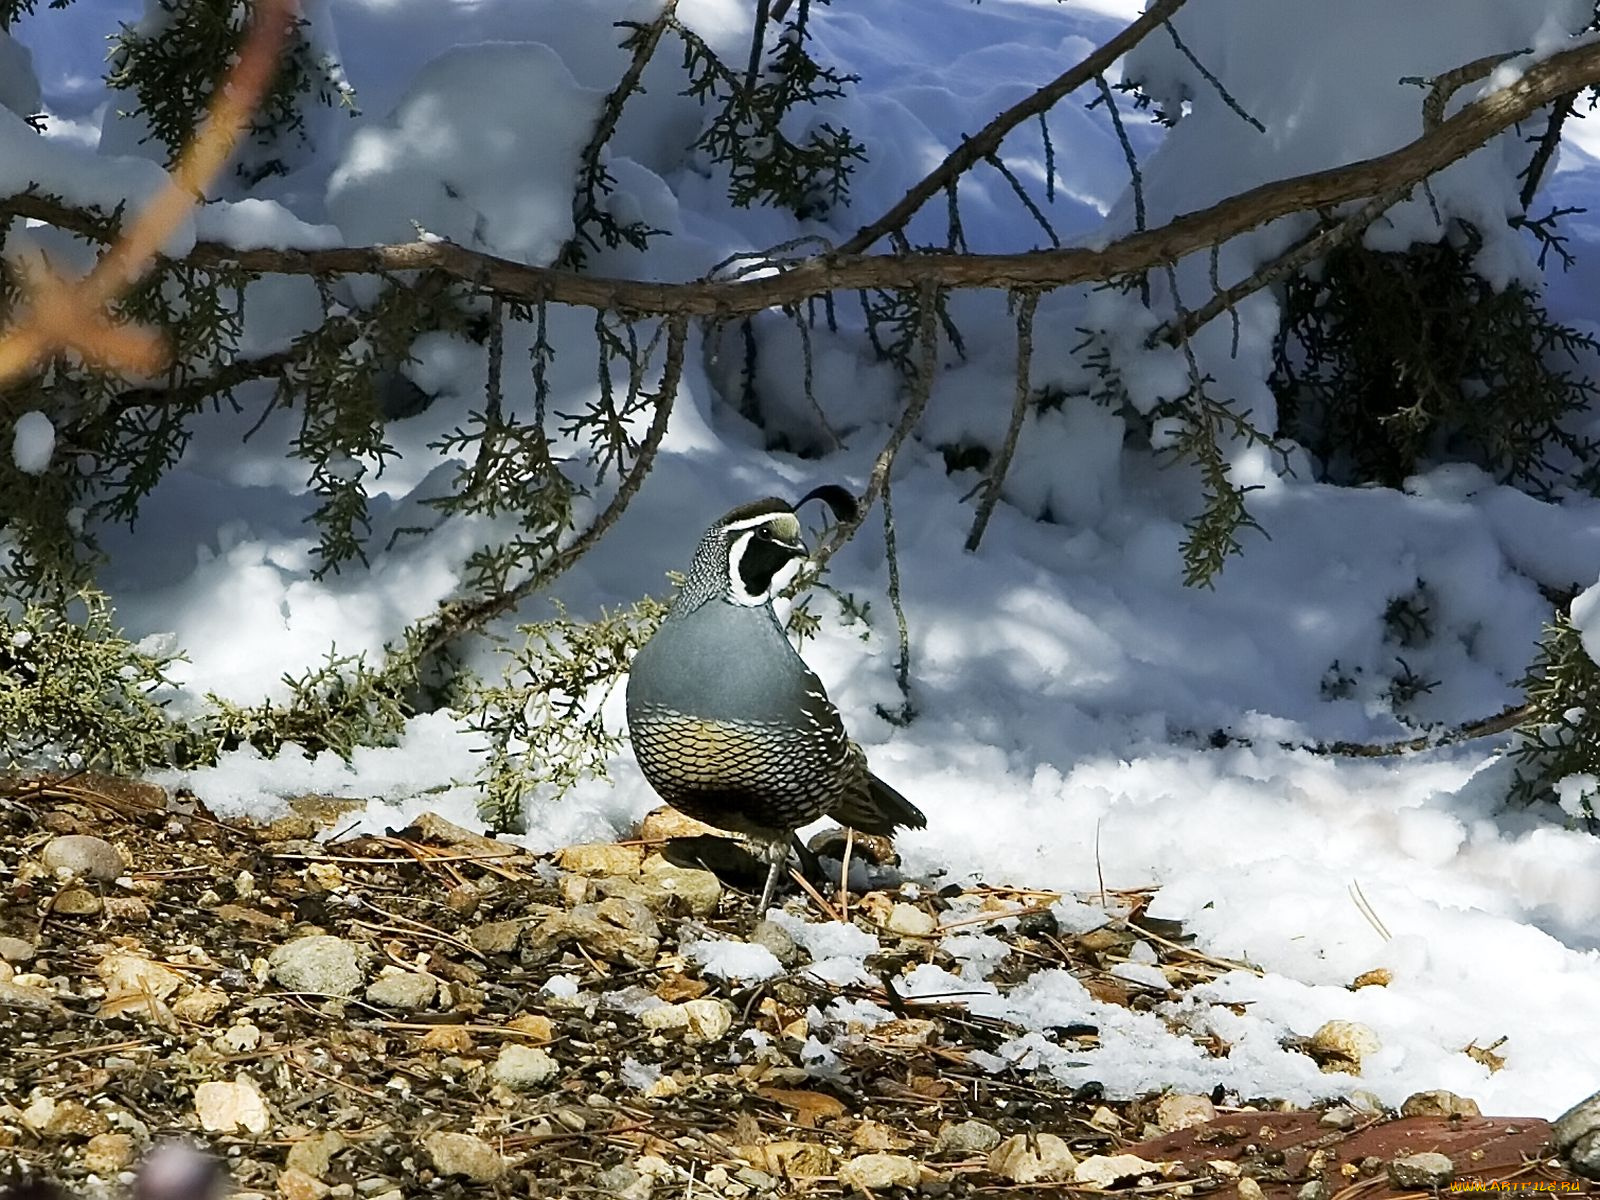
point(1227, 96)
point(1027, 304)
point(987, 140)
point(459, 617)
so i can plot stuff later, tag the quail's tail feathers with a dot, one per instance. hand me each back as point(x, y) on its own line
point(880, 810)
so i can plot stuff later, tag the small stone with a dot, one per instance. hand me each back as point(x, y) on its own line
point(910, 921)
point(1248, 1189)
point(1105, 1170)
point(1581, 1119)
point(523, 1068)
point(1036, 1158)
point(617, 929)
point(1341, 1116)
point(407, 990)
point(1439, 1103)
point(200, 1006)
point(126, 974)
point(661, 824)
point(463, 900)
point(1314, 1189)
point(967, 1137)
point(108, 1153)
point(1342, 1045)
point(601, 858)
point(1179, 1111)
point(464, 1154)
point(84, 856)
point(16, 950)
point(321, 964)
point(27, 993)
point(76, 902)
point(63, 1120)
point(869, 1172)
point(776, 939)
point(788, 1159)
point(225, 1107)
point(668, 888)
point(496, 937)
point(446, 1039)
point(295, 1184)
point(130, 910)
point(1427, 1170)
point(536, 1025)
point(697, 1021)
point(314, 1154)
point(1377, 977)
point(1104, 1118)
point(242, 1037)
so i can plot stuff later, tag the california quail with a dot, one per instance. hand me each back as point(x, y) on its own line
point(728, 723)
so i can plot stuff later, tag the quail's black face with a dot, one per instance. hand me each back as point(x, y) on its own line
point(764, 549)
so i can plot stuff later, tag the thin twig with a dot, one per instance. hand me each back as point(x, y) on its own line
point(1027, 305)
point(987, 140)
point(465, 616)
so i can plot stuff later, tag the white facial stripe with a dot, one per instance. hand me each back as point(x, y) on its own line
point(753, 522)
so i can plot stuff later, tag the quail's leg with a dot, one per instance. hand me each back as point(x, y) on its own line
point(777, 855)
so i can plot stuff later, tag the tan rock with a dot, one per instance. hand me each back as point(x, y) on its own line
point(1439, 1103)
point(464, 1154)
point(76, 901)
point(108, 1153)
point(601, 858)
point(130, 910)
point(871, 1172)
point(1036, 1158)
point(910, 921)
point(446, 1039)
point(314, 1154)
point(662, 823)
point(535, 1025)
point(1342, 1045)
point(788, 1159)
point(696, 1021)
point(200, 1005)
point(295, 1184)
point(63, 1120)
point(1178, 1111)
point(496, 937)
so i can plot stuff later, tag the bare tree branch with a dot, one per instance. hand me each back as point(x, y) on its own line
point(987, 140)
point(1452, 139)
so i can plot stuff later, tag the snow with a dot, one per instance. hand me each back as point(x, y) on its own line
point(741, 962)
point(482, 149)
point(33, 441)
point(1068, 685)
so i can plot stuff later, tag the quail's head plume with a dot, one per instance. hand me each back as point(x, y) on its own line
point(728, 723)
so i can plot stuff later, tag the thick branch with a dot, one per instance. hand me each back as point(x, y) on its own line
point(987, 140)
point(1452, 139)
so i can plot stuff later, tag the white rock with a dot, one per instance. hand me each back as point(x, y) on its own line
point(523, 1068)
point(1105, 1170)
point(228, 1107)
